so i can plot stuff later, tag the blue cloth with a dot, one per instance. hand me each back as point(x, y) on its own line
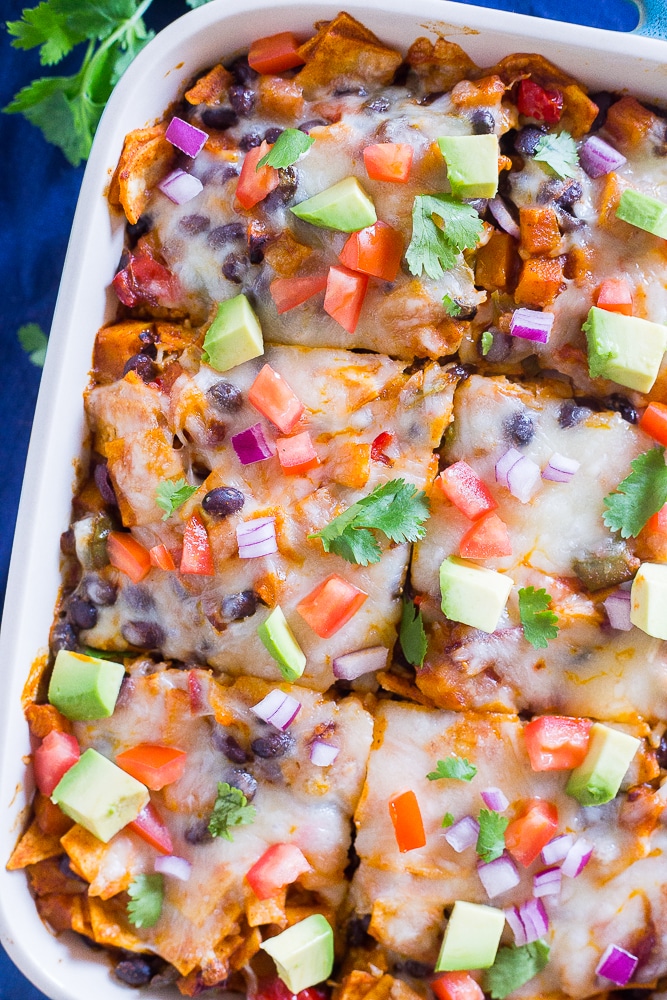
point(38, 191)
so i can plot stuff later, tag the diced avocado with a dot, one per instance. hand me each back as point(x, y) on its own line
point(279, 639)
point(234, 336)
point(626, 349)
point(304, 953)
point(472, 164)
point(599, 778)
point(648, 599)
point(471, 938)
point(472, 594)
point(344, 206)
point(644, 212)
point(84, 687)
point(99, 796)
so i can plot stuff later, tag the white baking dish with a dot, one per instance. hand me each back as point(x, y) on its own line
point(64, 968)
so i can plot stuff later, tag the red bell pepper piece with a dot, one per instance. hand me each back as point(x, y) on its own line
point(536, 102)
point(253, 184)
point(556, 742)
point(154, 765)
point(196, 556)
point(279, 866)
point(287, 293)
point(274, 399)
point(54, 756)
point(487, 538)
point(463, 487)
point(330, 605)
point(526, 836)
point(150, 826)
point(128, 555)
point(407, 819)
point(345, 295)
point(389, 161)
point(275, 53)
point(375, 250)
point(654, 422)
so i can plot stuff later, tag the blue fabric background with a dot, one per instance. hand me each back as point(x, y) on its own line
point(38, 191)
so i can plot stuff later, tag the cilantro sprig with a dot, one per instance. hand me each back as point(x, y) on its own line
point(397, 509)
point(513, 967)
point(491, 837)
point(146, 894)
point(539, 623)
point(34, 341)
point(559, 152)
point(434, 248)
point(639, 495)
point(456, 768)
point(412, 636)
point(287, 149)
point(231, 809)
point(170, 495)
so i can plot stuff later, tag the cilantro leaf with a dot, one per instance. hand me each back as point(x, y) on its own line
point(146, 893)
point(196, 3)
point(398, 509)
point(447, 820)
point(491, 837)
point(95, 18)
point(559, 152)
point(412, 636)
point(513, 967)
point(456, 768)
point(231, 809)
point(287, 149)
point(434, 249)
point(487, 342)
point(452, 307)
point(539, 624)
point(43, 26)
point(639, 495)
point(33, 340)
point(169, 495)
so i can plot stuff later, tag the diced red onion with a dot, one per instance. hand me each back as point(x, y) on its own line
point(514, 920)
point(257, 537)
point(519, 474)
point(577, 858)
point(251, 445)
point(277, 708)
point(617, 965)
point(180, 187)
point(323, 754)
point(557, 849)
point(349, 666)
point(256, 526)
point(258, 549)
point(560, 468)
point(547, 882)
point(529, 324)
point(534, 919)
point(498, 876)
point(495, 800)
point(462, 834)
point(503, 217)
point(186, 137)
point(169, 864)
point(597, 157)
point(617, 606)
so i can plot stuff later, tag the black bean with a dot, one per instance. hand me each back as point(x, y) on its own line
point(283, 193)
point(198, 832)
point(225, 396)
point(462, 371)
point(138, 597)
point(134, 971)
point(149, 337)
point(245, 782)
point(273, 745)
point(249, 140)
point(661, 752)
point(68, 543)
point(272, 134)
point(401, 75)
point(501, 347)
point(621, 404)
point(98, 590)
point(81, 613)
point(235, 607)
point(312, 123)
point(604, 101)
point(257, 243)
point(221, 235)
point(242, 100)
point(63, 636)
point(570, 413)
point(230, 746)
point(216, 432)
point(146, 635)
point(519, 428)
point(526, 140)
point(142, 365)
point(135, 231)
point(350, 91)
point(104, 484)
point(570, 195)
point(223, 501)
point(379, 104)
point(432, 97)
point(483, 122)
point(568, 223)
point(219, 118)
point(149, 350)
point(194, 224)
point(417, 969)
point(531, 366)
point(357, 931)
point(234, 267)
point(479, 204)
point(242, 71)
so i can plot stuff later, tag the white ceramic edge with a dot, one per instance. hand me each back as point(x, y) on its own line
point(64, 968)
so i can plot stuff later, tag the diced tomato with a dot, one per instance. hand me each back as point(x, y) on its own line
point(383, 440)
point(375, 250)
point(330, 605)
point(345, 295)
point(53, 757)
point(152, 764)
point(296, 454)
point(275, 53)
point(275, 400)
point(456, 986)
point(407, 819)
point(487, 538)
point(389, 161)
point(463, 487)
point(615, 295)
point(50, 817)
point(196, 556)
point(161, 557)
point(287, 293)
point(556, 742)
point(654, 422)
point(150, 826)
point(275, 989)
point(658, 522)
point(253, 184)
point(279, 866)
point(526, 836)
point(145, 280)
point(538, 103)
point(128, 555)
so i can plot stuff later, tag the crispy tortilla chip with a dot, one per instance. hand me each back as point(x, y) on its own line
point(108, 867)
point(210, 88)
point(45, 719)
point(440, 66)
point(116, 344)
point(402, 686)
point(36, 682)
point(46, 878)
point(146, 158)
point(61, 911)
point(34, 846)
point(519, 65)
point(363, 985)
point(286, 255)
point(266, 911)
point(579, 112)
point(245, 951)
point(110, 926)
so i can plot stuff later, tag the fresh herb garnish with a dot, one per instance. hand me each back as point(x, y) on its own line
point(491, 837)
point(456, 768)
point(513, 967)
point(287, 149)
point(433, 249)
point(487, 342)
point(412, 636)
point(231, 809)
point(639, 495)
point(559, 152)
point(146, 893)
point(539, 623)
point(447, 820)
point(33, 340)
point(452, 307)
point(397, 509)
point(169, 495)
